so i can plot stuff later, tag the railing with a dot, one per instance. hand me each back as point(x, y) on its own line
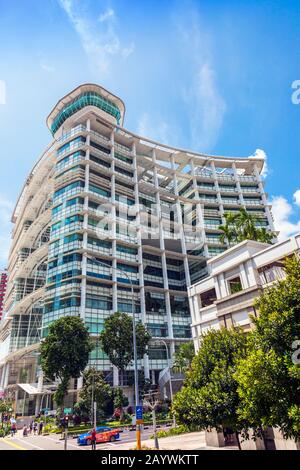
point(67, 194)
point(247, 178)
point(62, 165)
point(71, 148)
point(228, 190)
point(101, 137)
point(122, 148)
point(252, 203)
point(77, 226)
point(254, 190)
point(231, 201)
point(72, 132)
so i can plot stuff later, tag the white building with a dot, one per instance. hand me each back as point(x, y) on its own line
point(104, 210)
point(237, 277)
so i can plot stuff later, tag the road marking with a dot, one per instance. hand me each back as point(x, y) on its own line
point(29, 443)
point(13, 444)
point(61, 442)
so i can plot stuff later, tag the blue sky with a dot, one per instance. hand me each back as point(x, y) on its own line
point(213, 76)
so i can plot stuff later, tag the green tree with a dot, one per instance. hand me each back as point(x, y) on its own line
point(241, 226)
point(269, 377)
point(209, 397)
point(94, 386)
point(6, 407)
point(65, 353)
point(184, 356)
point(120, 400)
point(116, 340)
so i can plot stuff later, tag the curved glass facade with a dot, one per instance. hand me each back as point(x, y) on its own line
point(89, 98)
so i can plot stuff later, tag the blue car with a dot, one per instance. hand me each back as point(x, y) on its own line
point(103, 434)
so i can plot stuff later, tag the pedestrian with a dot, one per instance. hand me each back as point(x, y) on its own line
point(30, 427)
point(13, 429)
point(93, 439)
point(25, 430)
point(13, 426)
point(40, 427)
point(34, 428)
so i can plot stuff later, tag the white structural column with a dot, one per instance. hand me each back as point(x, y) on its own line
point(223, 286)
point(219, 197)
point(140, 252)
point(263, 197)
point(199, 210)
point(4, 377)
point(238, 185)
point(85, 223)
point(179, 221)
point(112, 227)
point(163, 255)
point(40, 389)
point(244, 277)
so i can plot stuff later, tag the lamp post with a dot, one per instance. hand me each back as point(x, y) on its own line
point(169, 366)
point(136, 385)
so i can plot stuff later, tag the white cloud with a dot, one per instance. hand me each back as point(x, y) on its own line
point(282, 212)
point(261, 155)
point(156, 129)
point(207, 108)
point(99, 44)
point(296, 197)
point(47, 67)
point(6, 208)
point(205, 105)
point(108, 14)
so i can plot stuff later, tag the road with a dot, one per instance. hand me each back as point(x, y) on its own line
point(53, 442)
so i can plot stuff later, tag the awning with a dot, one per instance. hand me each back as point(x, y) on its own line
point(30, 389)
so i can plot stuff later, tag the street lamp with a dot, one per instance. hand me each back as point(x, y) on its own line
point(136, 385)
point(169, 366)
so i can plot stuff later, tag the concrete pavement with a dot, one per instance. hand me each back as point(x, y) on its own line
point(190, 441)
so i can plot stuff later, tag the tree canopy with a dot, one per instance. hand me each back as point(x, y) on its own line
point(241, 226)
point(184, 356)
point(94, 386)
point(269, 377)
point(209, 396)
point(65, 352)
point(116, 339)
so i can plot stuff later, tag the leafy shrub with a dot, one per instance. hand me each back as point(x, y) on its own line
point(175, 431)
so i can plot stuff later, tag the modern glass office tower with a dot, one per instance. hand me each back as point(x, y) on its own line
point(104, 210)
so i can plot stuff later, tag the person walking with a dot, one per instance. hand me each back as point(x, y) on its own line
point(25, 431)
point(40, 427)
point(34, 428)
point(13, 429)
point(30, 427)
point(93, 439)
point(13, 426)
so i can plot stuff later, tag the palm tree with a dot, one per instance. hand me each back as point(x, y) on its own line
point(242, 226)
point(265, 236)
point(183, 357)
point(228, 234)
point(229, 230)
point(245, 224)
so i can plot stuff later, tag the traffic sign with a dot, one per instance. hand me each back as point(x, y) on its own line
point(139, 412)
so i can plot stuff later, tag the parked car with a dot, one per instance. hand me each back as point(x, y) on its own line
point(103, 434)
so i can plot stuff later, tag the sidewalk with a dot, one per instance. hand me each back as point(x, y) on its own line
point(189, 441)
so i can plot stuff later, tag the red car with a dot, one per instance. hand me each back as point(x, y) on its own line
point(103, 434)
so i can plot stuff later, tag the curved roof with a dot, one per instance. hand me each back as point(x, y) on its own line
point(80, 90)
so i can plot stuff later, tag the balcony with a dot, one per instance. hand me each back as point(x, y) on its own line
point(76, 130)
point(231, 202)
point(70, 149)
point(249, 202)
